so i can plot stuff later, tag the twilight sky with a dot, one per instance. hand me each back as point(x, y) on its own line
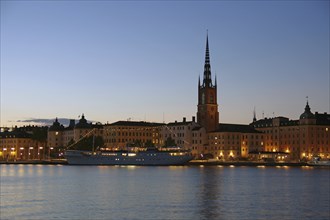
point(114, 60)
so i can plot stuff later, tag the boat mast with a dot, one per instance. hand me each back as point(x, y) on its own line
point(93, 142)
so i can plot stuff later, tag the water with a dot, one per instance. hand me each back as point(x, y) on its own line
point(113, 192)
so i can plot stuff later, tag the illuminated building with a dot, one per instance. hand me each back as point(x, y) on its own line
point(123, 134)
point(301, 139)
point(19, 145)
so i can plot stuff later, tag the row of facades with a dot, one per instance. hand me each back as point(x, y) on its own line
point(278, 138)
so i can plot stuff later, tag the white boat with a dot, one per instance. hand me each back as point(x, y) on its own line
point(140, 158)
point(317, 161)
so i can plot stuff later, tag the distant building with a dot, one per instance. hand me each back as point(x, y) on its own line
point(60, 137)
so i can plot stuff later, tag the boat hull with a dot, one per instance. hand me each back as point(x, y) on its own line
point(159, 158)
point(317, 161)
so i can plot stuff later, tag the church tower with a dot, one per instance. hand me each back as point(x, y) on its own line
point(207, 108)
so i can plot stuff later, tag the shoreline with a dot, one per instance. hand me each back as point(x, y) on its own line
point(247, 163)
point(191, 163)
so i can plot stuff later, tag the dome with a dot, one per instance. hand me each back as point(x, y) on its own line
point(83, 123)
point(307, 114)
point(56, 126)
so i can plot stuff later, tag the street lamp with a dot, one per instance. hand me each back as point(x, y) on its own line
point(39, 148)
point(22, 148)
point(30, 148)
point(51, 148)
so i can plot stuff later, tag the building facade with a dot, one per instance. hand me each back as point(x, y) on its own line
point(60, 138)
point(123, 134)
point(22, 144)
point(302, 139)
point(180, 133)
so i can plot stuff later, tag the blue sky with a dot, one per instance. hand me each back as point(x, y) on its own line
point(114, 60)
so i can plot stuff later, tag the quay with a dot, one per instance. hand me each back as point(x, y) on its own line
point(35, 162)
point(191, 163)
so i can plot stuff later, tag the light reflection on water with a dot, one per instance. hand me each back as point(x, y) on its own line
point(175, 192)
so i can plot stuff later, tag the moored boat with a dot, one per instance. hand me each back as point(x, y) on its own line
point(153, 157)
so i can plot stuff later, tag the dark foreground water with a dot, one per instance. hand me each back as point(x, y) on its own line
point(110, 192)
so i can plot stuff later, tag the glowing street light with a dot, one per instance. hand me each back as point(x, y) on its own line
point(30, 148)
point(39, 148)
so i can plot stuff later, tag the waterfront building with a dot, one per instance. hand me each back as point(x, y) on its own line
point(302, 139)
point(234, 141)
point(83, 129)
point(60, 137)
point(55, 135)
point(123, 134)
point(199, 143)
point(179, 133)
point(21, 144)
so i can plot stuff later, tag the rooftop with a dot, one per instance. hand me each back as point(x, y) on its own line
point(236, 128)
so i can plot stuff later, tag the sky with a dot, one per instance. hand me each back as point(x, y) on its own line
point(141, 60)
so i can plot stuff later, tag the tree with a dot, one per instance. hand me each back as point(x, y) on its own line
point(169, 142)
point(136, 143)
point(149, 144)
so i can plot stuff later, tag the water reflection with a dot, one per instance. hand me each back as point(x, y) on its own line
point(209, 193)
point(91, 192)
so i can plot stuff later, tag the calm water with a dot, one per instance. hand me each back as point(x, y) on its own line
point(111, 192)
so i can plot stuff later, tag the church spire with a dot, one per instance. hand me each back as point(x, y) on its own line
point(207, 52)
point(207, 81)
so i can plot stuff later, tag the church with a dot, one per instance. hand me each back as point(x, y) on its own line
point(206, 137)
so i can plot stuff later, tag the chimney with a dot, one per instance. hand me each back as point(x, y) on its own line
point(193, 118)
point(184, 119)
